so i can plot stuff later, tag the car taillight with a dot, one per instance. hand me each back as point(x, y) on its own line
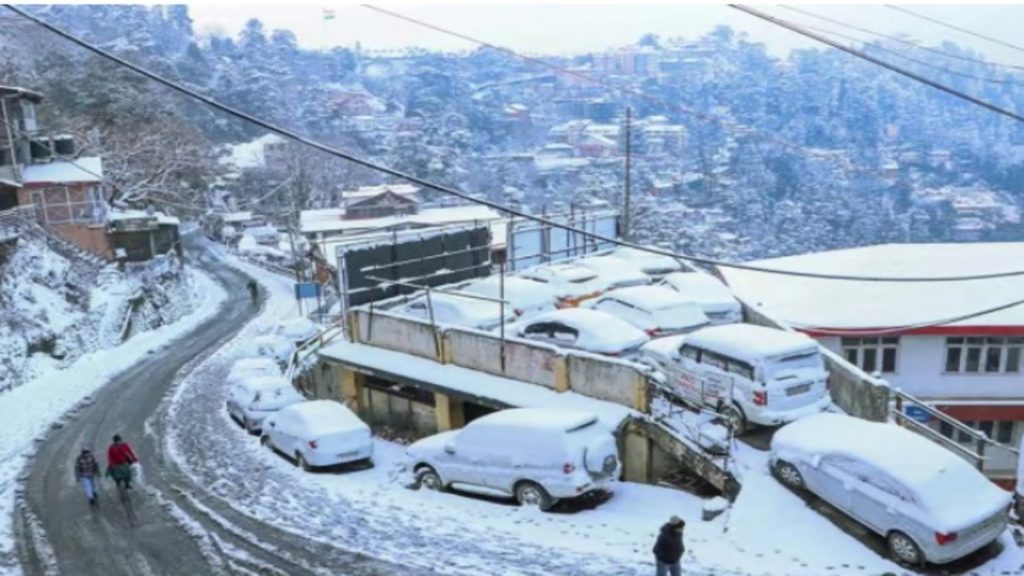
point(760, 397)
point(653, 332)
point(568, 468)
point(943, 539)
point(313, 444)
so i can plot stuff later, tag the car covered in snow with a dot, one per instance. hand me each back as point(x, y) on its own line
point(279, 348)
point(614, 272)
point(928, 503)
point(750, 374)
point(537, 456)
point(251, 399)
point(457, 310)
point(654, 265)
point(571, 283)
point(318, 433)
point(244, 368)
point(656, 310)
point(710, 293)
point(297, 330)
point(524, 296)
point(583, 329)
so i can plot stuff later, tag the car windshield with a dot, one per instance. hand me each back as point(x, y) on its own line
point(581, 278)
point(802, 361)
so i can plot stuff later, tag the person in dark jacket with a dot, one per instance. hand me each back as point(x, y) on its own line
point(86, 471)
point(668, 550)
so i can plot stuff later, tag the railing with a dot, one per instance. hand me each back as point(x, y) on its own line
point(309, 347)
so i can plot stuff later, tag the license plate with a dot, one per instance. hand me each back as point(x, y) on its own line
point(348, 454)
point(801, 389)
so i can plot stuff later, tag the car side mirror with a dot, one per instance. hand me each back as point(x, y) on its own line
point(449, 448)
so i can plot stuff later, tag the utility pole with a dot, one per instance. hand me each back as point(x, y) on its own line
point(629, 187)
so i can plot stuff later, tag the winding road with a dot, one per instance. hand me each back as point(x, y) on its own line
point(183, 528)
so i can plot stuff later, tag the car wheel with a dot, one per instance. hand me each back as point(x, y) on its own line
point(735, 419)
point(903, 549)
point(428, 478)
point(789, 475)
point(300, 461)
point(246, 424)
point(265, 440)
point(533, 495)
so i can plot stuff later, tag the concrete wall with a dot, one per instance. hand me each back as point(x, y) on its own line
point(523, 361)
point(396, 333)
point(606, 380)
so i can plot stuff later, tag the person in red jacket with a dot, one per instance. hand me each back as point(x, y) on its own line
point(120, 458)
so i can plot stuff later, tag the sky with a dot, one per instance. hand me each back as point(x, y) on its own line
point(574, 29)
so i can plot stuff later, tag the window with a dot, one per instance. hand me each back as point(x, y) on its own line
point(538, 329)
point(977, 355)
point(691, 353)
point(741, 369)
point(872, 354)
point(715, 360)
point(564, 333)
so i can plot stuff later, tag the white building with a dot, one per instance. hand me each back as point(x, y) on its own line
point(925, 338)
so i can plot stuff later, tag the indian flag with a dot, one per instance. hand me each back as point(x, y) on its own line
point(329, 14)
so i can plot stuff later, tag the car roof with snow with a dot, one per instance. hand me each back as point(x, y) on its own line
point(587, 320)
point(546, 419)
point(945, 484)
point(649, 298)
point(517, 288)
point(701, 287)
point(750, 342)
point(568, 272)
point(610, 265)
point(264, 382)
point(469, 309)
point(255, 364)
point(323, 417)
point(646, 259)
point(296, 328)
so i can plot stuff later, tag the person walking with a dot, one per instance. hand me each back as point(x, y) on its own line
point(120, 458)
point(254, 292)
point(86, 471)
point(668, 550)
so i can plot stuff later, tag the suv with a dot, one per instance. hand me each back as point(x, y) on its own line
point(537, 456)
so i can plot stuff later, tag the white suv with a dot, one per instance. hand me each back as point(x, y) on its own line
point(536, 456)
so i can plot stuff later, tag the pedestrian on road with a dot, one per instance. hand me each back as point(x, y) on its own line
point(254, 292)
point(668, 550)
point(120, 458)
point(86, 471)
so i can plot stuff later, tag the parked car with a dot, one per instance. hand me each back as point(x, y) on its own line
point(750, 374)
point(318, 433)
point(251, 367)
point(582, 329)
point(710, 293)
point(928, 503)
point(571, 283)
point(654, 265)
point(272, 346)
point(1019, 491)
point(614, 272)
point(537, 456)
point(657, 310)
point(252, 398)
point(524, 296)
point(450, 308)
point(297, 330)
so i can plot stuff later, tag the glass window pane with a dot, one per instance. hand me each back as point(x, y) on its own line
point(1004, 432)
point(895, 340)
point(953, 356)
point(993, 358)
point(889, 360)
point(1013, 360)
point(870, 360)
point(973, 363)
point(851, 356)
point(866, 341)
point(946, 429)
point(1015, 340)
point(975, 340)
point(957, 340)
point(986, 427)
point(994, 340)
point(850, 341)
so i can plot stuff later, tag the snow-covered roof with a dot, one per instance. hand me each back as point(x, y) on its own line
point(364, 192)
point(952, 491)
point(750, 342)
point(64, 172)
point(161, 218)
point(814, 303)
point(312, 223)
point(537, 418)
point(249, 154)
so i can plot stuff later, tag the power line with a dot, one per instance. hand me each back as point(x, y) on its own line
point(955, 27)
point(463, 195)
point(889, 66)
point(901, 40)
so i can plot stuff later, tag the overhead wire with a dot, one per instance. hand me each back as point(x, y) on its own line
point(287, 133)
point(954, 27)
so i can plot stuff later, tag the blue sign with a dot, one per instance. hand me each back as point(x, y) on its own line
point(919, 414)
point(307, 290)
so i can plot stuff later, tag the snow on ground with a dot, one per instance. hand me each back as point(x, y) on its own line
point(769, 531)
point(27, 412)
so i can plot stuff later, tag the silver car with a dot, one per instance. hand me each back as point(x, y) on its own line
point(928, 503)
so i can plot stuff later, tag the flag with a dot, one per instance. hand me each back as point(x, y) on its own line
point(328, 14)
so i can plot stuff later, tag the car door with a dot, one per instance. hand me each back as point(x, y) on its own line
point(461, 458)
point(832, 478)
point(686, 373)
point(875, 498)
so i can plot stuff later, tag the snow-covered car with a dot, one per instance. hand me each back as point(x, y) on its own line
point(614, 272)
point(750, 374)
point(583, 329)
point(244, 368)
point(251, 399)
point(524, 296)
point(710, 293)
point(929, 504)
point(1019, 490)
point(571, 283)
point(318, 433)
point(537, 456)
point(269, 346)
point(453, 309)
point(654, 265)
point(297, 330)
point(657, 310)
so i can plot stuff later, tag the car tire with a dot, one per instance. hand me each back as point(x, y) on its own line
point(300, 461)
point(247, 425)
point(735, 419)
point(265, 441)
point(788, 475)
point(427, 477)
point(904, 550)
point(534, 495)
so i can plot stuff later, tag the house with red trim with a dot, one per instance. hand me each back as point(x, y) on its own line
point(957, 345)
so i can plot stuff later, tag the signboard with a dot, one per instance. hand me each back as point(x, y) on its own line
point(918, 414)
point(307, 290)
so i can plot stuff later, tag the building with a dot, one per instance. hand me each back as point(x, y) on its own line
point(927, 339)
point(141, 235)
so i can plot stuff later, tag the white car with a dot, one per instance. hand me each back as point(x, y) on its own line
point(710, 293)
point(656, 310)
point(582, 329)
point(272, 346)
point(452, 309)
point(526, 297)
point(654, 265)
point(928, 503)
point(571, 283)
point(251, 399)
point(615, 272)
point(318, 433)
point(297, 330)
point(252, 367)
point(536, 456)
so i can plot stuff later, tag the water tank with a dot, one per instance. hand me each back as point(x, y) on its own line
point(64, 145)
point(40, 149)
